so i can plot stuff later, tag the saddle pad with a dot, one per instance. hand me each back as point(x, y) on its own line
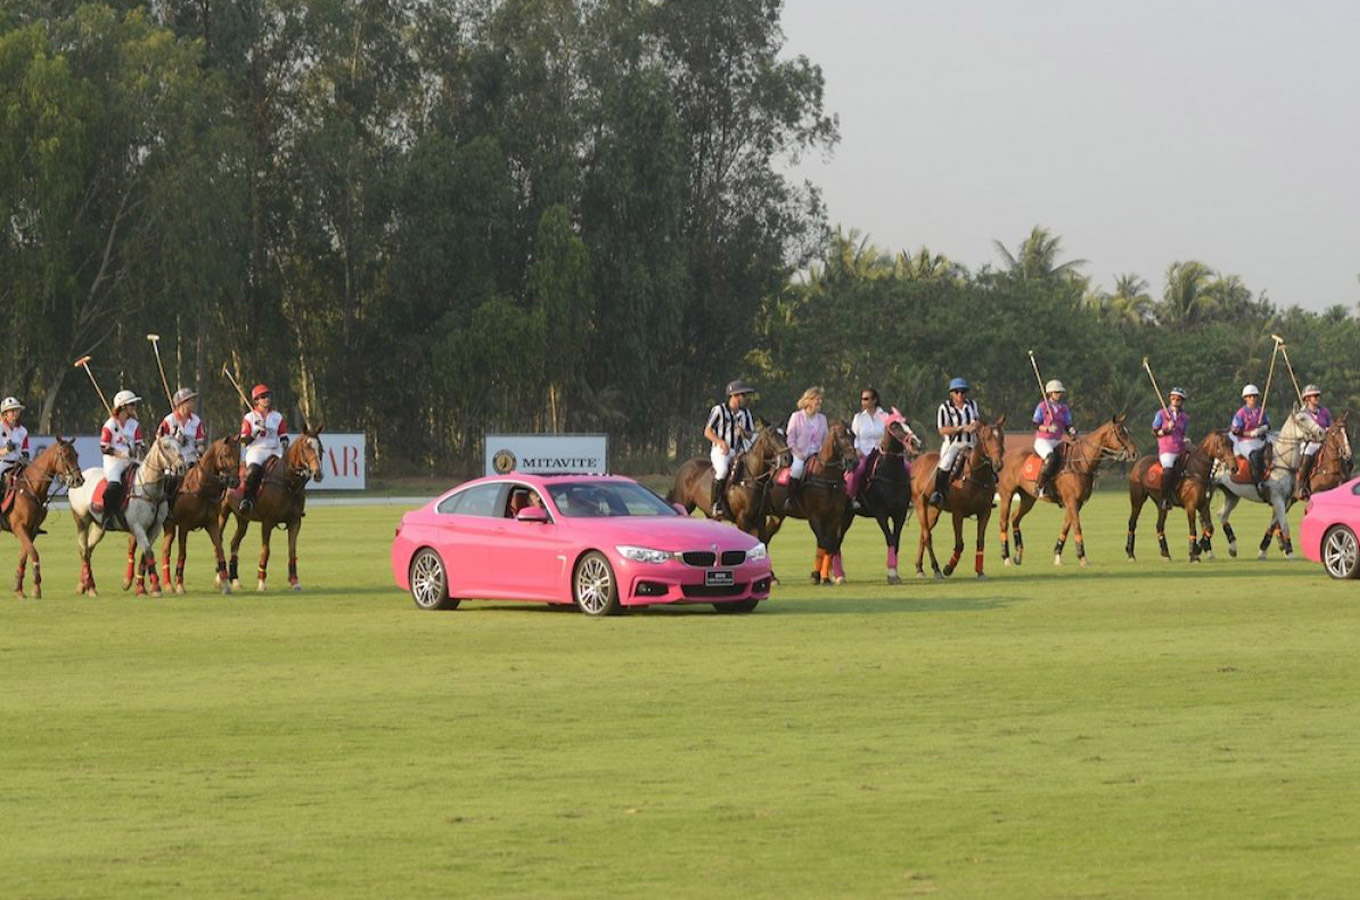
point(782, 478)
point(1152, 478)
point(1032, 467)
point(1243, 473)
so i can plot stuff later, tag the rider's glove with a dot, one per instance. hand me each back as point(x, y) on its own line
point(9, 446)
point(1260, 431)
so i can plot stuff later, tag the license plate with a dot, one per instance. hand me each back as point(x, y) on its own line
point(719, 578)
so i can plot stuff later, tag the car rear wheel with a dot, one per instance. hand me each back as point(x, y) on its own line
point(594, 587)
point(1341, 553)
point(737, 606)
point(430, 582)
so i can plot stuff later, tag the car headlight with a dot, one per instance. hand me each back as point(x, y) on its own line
point(644, 554)
point(759, 551)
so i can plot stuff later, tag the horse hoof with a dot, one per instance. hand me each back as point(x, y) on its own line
point(1261, 556)
point(37, 593)
point(1084, 562)
point(1194, 559)
point(1232, 550)
point(92, 593)
point(1289, 557)
point(1007, 561)
point(259, 586)
point(179, 587)
point(981, 577)
point(236, 584)
point(1166, 558)
point(838, 580)
point(139, 592)
point(939, 576)
point(1057, 559)
point(21, 595)
point(920, 574)
point(156, 592)
point(297, 586)
point(1210, 555)
point(127, 584)
point(894, 579)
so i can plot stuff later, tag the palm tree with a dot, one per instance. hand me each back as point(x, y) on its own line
point(1130, 304)
point(1186, 299)
point(926, 266)
point(1036, 259)
point(852, 258)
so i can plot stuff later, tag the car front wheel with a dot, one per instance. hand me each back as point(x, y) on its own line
point(1341, 553)
point(430, 582)
point(594, 587)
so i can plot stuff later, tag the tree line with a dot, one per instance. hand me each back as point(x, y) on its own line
point(426, 221)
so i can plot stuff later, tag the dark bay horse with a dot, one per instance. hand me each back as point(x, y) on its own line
point(1192, 494)
point(1072, 485)
point(32, 492)
point(748, 493)
point(971, 495)
point(824, 502)
point(886, 495)
point(282, 501)
point(197, 506)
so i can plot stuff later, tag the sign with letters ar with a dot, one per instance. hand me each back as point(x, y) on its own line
point(547, 454)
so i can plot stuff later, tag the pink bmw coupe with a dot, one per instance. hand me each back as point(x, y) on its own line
point(601, 542)
point(1331, 521)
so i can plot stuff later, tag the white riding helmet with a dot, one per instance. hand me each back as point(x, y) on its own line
point(124, 398)
point(1054, 386)
point(1178, 392)
point(1309, 391)
point(10, 403)
point(181, 395)
point(1251, 389)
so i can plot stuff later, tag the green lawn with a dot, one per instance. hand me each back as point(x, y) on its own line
point(1127, 730)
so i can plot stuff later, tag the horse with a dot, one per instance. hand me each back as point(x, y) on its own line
point(1331, 467)
point(824, 501)
point(1287, 448)
point(886, 495)
point(282, 500)
point(197, 504)
point(143, 517)
point(31, 487)
point(1193, 493)
point(1072, 485)
point(748, 493)
point(971, 495)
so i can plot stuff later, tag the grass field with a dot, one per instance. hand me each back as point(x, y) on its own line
point(1128, 730)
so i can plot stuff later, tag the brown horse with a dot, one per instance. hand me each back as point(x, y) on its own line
point(1072, 484)
point(1331, 467)
point(1192, 494)
point(32, 484)
point(747, 499)
point(824, 502)
point(282, 500)
point(970, 495)
point(197, 505)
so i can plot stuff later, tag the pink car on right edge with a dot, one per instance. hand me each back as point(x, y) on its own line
point(1328, 533)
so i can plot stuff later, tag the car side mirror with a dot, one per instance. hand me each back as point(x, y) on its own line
point(532, 514)
point(680, 508)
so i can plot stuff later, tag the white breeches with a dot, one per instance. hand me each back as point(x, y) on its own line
point(1167, 459)
point(722, 462)
point(1311, 448)
point(796, 470)
point(1045, 447)
point(950, 453)
point(1245, 446)
point(258, 456)
point(115, 466)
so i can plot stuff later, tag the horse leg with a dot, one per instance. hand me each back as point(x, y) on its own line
point(1229, 504)
point(1161, 534)
point(1194, 536)
point(1026, 504)
point(886, 526)
point(181, 532)
point(933, 514)
point(86, 583)
point(954, 558)
point(293, 528)
point(232, 572)
point(1281, 520)
point(1005, 517)
point(262, 571)
point(982, 521)
point(1062, 535)
point(220, 580)
point(1206, 540)
point(167, 544)
point(131, 563)
point(1137, 497)
point(1081, 538)
point(26, 549)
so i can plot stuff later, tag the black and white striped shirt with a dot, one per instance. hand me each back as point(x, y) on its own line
point(723, 420)
point(951, 416)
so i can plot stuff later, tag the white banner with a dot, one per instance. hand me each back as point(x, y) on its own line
point(344, 459)
point(547, 454)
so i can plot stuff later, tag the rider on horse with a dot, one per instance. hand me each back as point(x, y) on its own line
point(868, 427)
point(730, 429)
point(185, 426)
point(1250, 424)
point(806, 433)
point(1169, 426)
point(121, 444)
point(1052, 420)
point(266, 435)
point(13, 444)
point(1313, 408)
point(956, 422)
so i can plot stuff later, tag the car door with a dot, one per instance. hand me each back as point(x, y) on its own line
point(470, 551)
point(531, 555)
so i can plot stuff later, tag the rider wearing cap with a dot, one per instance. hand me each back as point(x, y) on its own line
point(1169, 426)
point(729, 429)
point(1250, 424)
point(13, 441)
point(957, 422)
point(265, 435)
point(120, 442)
point(1052, 420)
point(1313, 408)
point(184, 425)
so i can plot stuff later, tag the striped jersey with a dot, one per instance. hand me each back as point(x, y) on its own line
point(951, 416)
point(725, 422)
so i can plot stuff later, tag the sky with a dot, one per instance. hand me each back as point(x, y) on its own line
point(1142, 132)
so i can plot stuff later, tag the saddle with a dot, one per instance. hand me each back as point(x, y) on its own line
point(1242, 474)
point(1152, 478)
point(239, 492)
point(97, 498)
point(7, 490)
point(811, 468)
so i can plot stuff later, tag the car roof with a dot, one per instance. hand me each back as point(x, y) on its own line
point(540, 481)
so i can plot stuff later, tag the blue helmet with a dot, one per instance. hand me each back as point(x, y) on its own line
point(959, 384)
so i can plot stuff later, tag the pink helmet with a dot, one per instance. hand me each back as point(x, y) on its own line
point(258, 391)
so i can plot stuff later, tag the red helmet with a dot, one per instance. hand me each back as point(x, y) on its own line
point(258, 391)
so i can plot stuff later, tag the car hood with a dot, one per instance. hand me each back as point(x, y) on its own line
point(666, 533)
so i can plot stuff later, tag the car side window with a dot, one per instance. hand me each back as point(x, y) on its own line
point(449, 505)
point(1356, 490)
point(481, 500)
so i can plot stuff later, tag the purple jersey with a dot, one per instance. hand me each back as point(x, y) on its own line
point(1170, 430)
point(1247, 420)
point(1323, 416)
point(1053, 419)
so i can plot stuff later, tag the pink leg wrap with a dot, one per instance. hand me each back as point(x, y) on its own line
point(892, 558)
point(836, 568)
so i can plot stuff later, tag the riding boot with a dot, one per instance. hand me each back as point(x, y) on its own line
point(795, 491)
point(1050, 470)
point(1169, 484)
point(1257, 463)
point(719, 498)
point(253, 476)
point(113, 499)
point(938, 495)
point(1303, 490)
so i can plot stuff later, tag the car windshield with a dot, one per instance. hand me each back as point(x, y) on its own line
point(607, 499)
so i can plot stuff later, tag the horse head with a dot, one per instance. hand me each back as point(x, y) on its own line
point(839, 446)
point(768, 451)
point(223, 460)
point(1311, 430)
point(163, 458)
point(304, 456)
point(991, 442)
point(1217, 445)
point(67, 462)
point(896, 434)
point(1115, 440)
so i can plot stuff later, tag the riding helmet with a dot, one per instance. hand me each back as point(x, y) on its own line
point(1250, 390)
point(1179, 392)
point(1309, 391)
point(959, 384)
point(10, 403)
point(1054, 386)
point(260, 390)
point(124, 398)
point(181, 395)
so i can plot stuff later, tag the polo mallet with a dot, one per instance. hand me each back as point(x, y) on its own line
point(155, 340)
point(1042, 393)
point(1147, 368)
point(1284, 351)
point(240, 393)
point(84, 363)
point(1270, 373)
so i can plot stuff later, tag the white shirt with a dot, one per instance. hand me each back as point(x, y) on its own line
point(188, 434)
point(868, 429)
point(18, 436)
point(267, 430)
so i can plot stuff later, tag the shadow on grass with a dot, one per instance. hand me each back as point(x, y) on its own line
point(840, 604)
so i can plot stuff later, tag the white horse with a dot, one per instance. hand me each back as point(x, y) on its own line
point(146, 512)
point(1298, 429)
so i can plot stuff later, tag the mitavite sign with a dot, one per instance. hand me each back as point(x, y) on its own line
point(547, 454)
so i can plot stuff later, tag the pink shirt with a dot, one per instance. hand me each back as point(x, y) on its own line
point(806, 434)
point(1170, 431)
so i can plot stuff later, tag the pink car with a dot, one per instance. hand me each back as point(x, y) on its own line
point(1331, 521)
point(602, 542)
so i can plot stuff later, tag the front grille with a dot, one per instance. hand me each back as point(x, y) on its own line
point(726, 590)
point(733, 557)
point(701, 558)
